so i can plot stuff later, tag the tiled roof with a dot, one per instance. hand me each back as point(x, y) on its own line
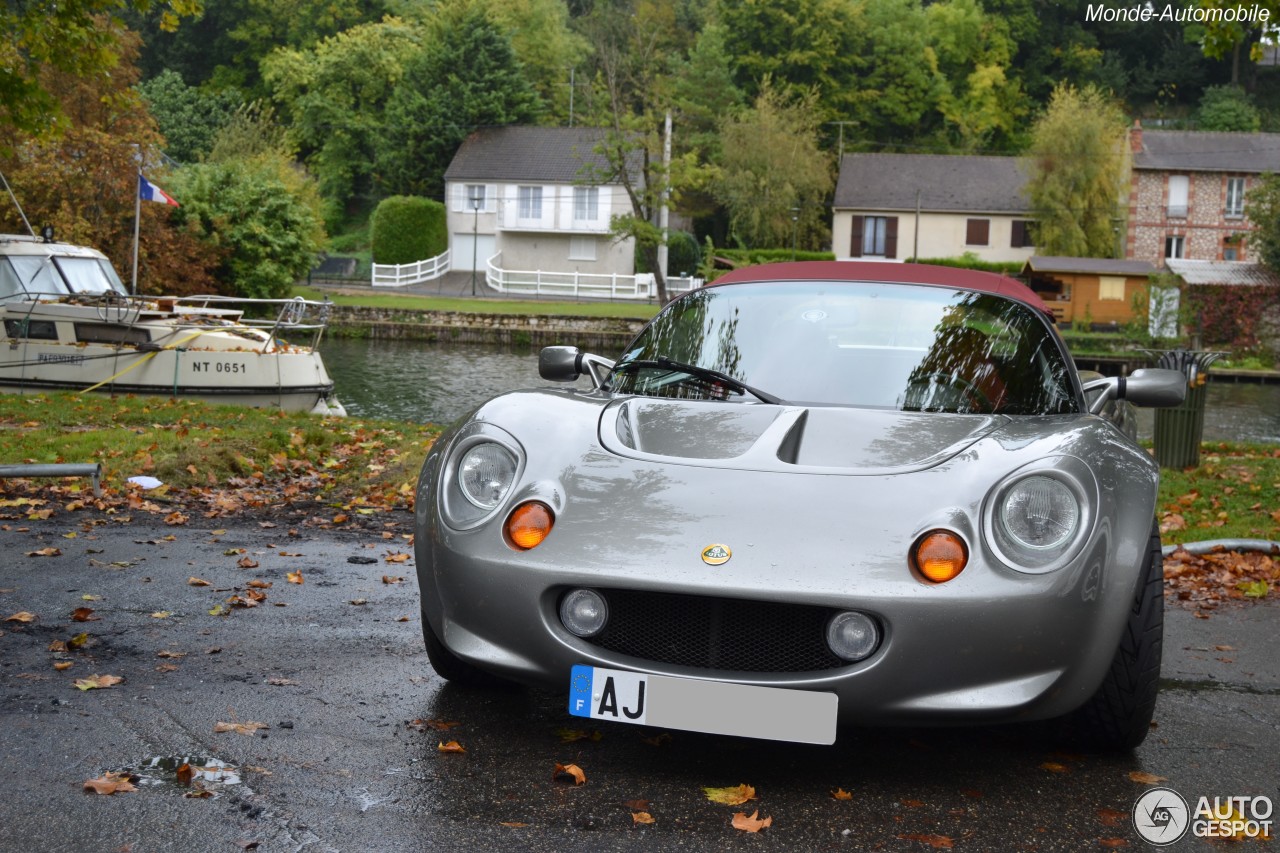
point(1088, 266)
point(541, 154)
point(1223, 272)
point(1195, 151)
point(950, 183)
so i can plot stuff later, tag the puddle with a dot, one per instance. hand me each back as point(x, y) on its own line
point(201, 771)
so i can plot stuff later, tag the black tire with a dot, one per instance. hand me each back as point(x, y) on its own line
point(1118, 716)
point(452, 668)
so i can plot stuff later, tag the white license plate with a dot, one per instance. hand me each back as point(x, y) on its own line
point(714, 707)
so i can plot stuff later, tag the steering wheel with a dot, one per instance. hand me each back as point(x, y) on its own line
point(978, 401)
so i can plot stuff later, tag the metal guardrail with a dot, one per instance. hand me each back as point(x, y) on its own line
point(403, 275)
point(92, 470)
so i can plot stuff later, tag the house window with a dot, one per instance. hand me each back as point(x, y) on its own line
point(1235, 197)
point(530, 202)
point(475, 197)
point(977, 232)
point(1174, 246)
point(586, 204)
point(1022, 234)
point(1179, 188)
point(1111, 288)
point(582, 248)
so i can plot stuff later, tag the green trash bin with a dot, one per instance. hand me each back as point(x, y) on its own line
point(1179, 429)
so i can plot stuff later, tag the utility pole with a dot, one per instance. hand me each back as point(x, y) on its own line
point(664, 213)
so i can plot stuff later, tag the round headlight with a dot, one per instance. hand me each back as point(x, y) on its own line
point(852, 635)
point(584, 612)
point(1040, 513)
point(485, 474)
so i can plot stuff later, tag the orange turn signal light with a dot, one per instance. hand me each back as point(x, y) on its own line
point(529, 524)
point(939, 556)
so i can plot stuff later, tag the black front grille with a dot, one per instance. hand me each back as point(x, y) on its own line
point(717, 633)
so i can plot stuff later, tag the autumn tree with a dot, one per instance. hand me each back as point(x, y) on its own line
point(774, 176)
point(1078, 165)
point(84, 182)
point(1264, 212)
point(80, 38)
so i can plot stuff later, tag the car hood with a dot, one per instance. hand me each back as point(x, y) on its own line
point(787, 438)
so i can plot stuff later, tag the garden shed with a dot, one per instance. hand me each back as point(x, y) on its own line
point(1093, 291)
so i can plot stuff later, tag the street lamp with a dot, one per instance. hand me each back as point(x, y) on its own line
point(475, 198)
point(795, 225)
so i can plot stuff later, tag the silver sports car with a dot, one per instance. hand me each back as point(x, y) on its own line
point(809, 494)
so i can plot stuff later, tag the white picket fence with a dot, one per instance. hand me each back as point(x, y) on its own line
point(402, 275)
point(577, 284)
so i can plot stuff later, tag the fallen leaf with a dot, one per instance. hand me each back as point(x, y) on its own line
point(569, 771)
point(22, 616)
point(1225, 648)
point(1055, 767)
point(451, 747)
point(77, 641)
point(194, 581)
point(388, 579)
point(1112, 843)
point(734, 796)
point(937, 842)
point(63, 664)
point(1145, 778)
point(165, 653)
point(294, 577)
point(1112, 817)
point(247, 563)
point(280, 682)
point(88, 597)
point(256, 584)
point(239, 728)
point(46, 552)
point(396, 557)
point(751, 824)
point(110, 783)
point(167, 667)
point(359, 601)
point(161, 614)
point(232, 552)
point(95, 682)
point(637, 805)
point(184, 774)
point(514, 824)
point(84, 614)
point(841, 794)
point(58, 646)
point(175, 518)
point(641, 818)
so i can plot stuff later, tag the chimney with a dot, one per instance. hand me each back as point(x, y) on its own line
point(1135, 137)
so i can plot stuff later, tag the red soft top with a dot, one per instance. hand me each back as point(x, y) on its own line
point(879, 271)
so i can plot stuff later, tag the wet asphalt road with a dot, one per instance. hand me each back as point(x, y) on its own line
point(343, 766)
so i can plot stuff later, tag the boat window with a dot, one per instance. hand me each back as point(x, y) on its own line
point(37, 275)
point(9, 285)
point(36, 330)
point(86, 275)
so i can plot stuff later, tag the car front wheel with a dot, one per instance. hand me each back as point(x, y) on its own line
point(1118, 716)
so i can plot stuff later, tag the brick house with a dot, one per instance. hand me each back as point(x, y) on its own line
point(1187, 194)
point(898, 206)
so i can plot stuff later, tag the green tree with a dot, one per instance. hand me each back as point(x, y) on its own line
point(775, 176)
point(188, 117)
point(1264, 212)
point(335, 97)
point(468, 78)
point(250, 201)
point(1239, 40)
point(407, 229)
point(1228, 108)
point(78, 37)
point(1078, 169)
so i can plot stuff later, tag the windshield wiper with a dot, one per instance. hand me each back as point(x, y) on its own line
point(702, 373)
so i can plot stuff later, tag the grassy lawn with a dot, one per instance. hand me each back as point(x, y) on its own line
point(405, 302)
point(1233, 494)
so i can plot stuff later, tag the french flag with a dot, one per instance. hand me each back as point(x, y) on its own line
point(148, 191)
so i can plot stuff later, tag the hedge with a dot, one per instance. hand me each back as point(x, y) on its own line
point(407, 229)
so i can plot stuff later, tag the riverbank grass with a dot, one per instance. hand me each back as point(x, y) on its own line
point(187, 444)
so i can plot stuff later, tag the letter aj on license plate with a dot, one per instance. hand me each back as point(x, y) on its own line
point(714, 707)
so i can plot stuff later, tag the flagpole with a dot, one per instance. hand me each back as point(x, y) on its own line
point(137, 216)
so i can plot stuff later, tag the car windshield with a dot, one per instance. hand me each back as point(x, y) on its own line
point(886, 346)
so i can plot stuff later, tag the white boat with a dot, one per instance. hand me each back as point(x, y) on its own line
point(69, 324)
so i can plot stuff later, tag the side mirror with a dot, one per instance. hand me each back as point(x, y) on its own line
point(566, 364)
point(1150, 386)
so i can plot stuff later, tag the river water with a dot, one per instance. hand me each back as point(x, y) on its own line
point(425, 382)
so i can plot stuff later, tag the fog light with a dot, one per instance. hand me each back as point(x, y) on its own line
point(529, 524)
point(584, 612)
point(939, 556)
point(852, 636)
